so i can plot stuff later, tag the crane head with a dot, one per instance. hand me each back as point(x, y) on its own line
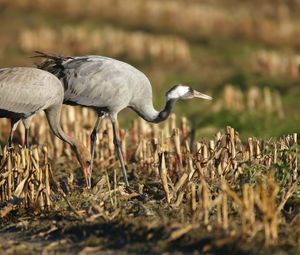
point(185, 92)
point(85, 162)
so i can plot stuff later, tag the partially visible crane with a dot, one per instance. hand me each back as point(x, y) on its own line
point(25, 91)
point(108, 86)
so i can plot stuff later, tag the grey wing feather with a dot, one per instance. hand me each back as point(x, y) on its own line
point(92, 81)
point(22, 90)
point(99, 81)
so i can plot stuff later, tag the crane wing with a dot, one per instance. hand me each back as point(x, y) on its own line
point(27, 90)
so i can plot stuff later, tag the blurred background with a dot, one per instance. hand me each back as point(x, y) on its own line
point(243, 53)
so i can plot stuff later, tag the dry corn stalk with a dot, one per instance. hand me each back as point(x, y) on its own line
point(164, 177)
point(22, 177)
point(209, 180)
point(265, 199)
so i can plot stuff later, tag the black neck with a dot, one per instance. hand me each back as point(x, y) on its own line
point(164, 114)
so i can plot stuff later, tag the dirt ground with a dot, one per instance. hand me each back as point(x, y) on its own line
point(136, 221)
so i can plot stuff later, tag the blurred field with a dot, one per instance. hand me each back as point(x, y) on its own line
point(207, 44)
point(219, 177)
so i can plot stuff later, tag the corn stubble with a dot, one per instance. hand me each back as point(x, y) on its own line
point(24, 180)
point(219, 184)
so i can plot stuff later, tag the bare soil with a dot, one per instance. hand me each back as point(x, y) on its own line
point(138, 223)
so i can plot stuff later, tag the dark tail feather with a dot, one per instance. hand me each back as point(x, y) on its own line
point(40, 54)
point(52, 64)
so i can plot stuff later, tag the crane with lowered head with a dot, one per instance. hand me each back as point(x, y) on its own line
point(24, 91)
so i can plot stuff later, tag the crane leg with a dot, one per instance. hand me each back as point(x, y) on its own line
point(93, 139)
point(27, 138)
point(13, 127)
point(119, 152)
point(27, 123)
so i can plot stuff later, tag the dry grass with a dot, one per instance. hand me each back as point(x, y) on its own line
point(218, 184)
point(254, 100)
point(24, 180)
point(109, 41)
point(274, 23)
point(274, 63)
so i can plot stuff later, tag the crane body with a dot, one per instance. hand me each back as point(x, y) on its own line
point(25, 91)
point(108, 86)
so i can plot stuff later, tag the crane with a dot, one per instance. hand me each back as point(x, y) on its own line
point(108, 86)
point(25, 91)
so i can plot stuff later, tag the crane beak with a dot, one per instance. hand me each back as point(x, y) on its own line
point(87, 176)
point(198, 94)
point(84, 159)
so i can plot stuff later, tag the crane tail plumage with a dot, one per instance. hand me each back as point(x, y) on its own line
point(58, 58)
point(52, 63)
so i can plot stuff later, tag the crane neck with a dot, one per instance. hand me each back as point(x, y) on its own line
point(53, 115)
point(148, 113)
point(165, 112)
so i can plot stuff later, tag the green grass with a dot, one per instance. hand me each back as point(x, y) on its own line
point(251, 124)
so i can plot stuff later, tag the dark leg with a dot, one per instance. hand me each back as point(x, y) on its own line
point(13, 126)
point(119, 152)
point(27, 123)
point(27, 137)
point(93, 139)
